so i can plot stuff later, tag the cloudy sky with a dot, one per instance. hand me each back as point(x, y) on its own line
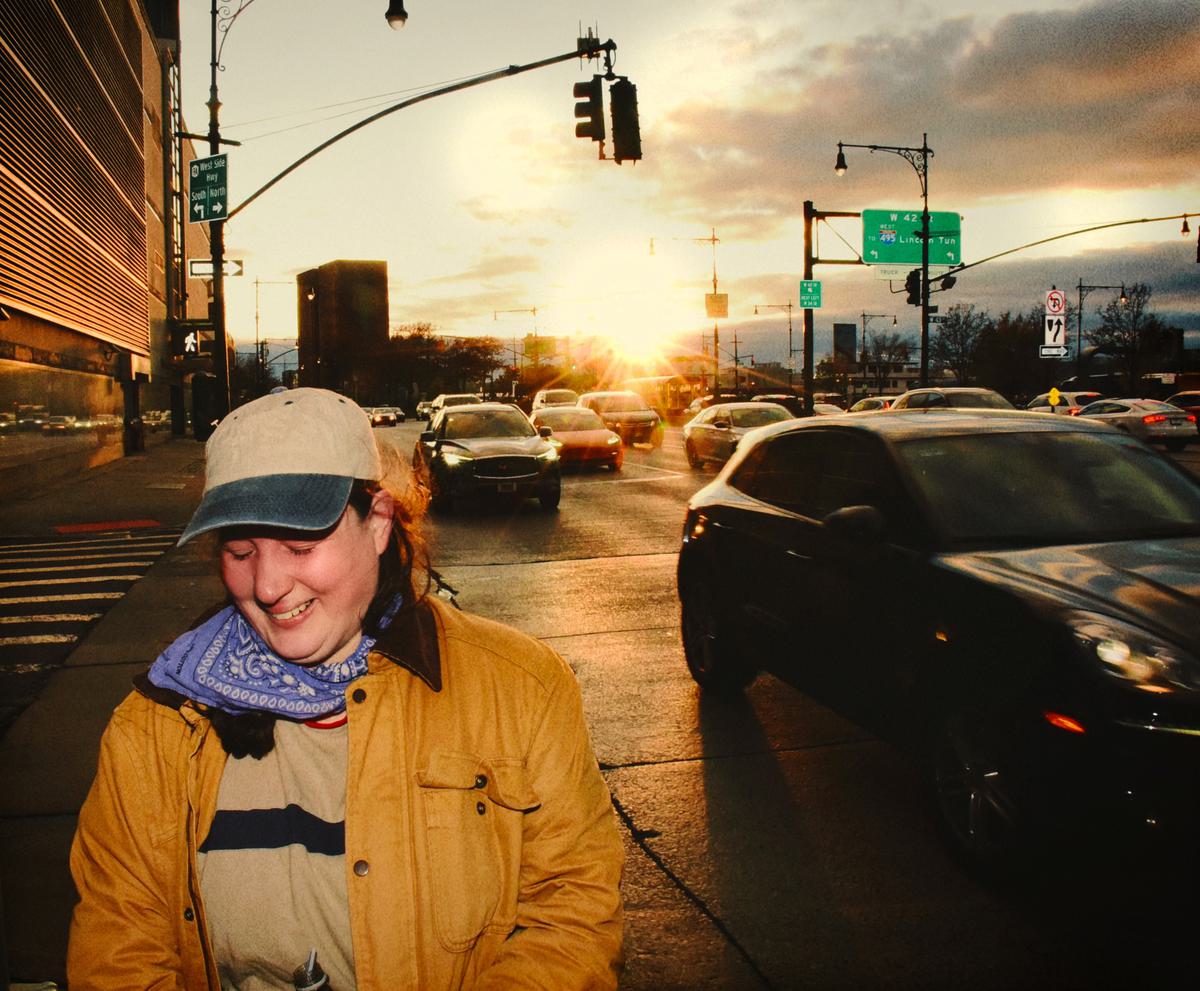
point(1044, 118)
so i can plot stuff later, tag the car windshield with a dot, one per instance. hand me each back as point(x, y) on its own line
point(487, 423)
point(571, 419)
point(977, 400)
point(459, 400)
point(620, 404)
point(1040, 489)
point(757, 417)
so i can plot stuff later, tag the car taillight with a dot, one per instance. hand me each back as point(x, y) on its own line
point(1191, 418)
point(1074, 410)
point(1154, 418)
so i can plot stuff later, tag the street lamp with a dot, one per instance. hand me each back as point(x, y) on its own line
point(1083, 291)
point(918, 158)
point(396, 15)
point(791, 351)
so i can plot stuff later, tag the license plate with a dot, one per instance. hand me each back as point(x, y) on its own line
point(507, 487)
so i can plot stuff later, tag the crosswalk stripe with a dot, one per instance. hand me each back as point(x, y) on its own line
point(20, 600)
point(79, 557)
point(131, 543)
point(71, 581)
point(76, 567)
point(67, 617)
point(38, 638)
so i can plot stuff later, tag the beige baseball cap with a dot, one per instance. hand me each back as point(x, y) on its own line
point(285, 460)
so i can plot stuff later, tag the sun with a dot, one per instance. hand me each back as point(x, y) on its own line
point(628, 297)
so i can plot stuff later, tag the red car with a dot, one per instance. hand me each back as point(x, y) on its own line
point(581, 436)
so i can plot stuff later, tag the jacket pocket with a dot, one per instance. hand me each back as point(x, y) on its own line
point(473, 810)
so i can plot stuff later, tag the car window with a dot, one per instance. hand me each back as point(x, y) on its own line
point(1038, 489)
point(570, 419)
point(1097, 408)
point(1042, 400)
point(976, 400)
point(918, 400)
point(749, 418)
point(559, 396)
point(707, 415)
point(492, 423)
point(620, 403)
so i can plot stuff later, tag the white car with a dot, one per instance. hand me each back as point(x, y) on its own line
point(1153, 421)
point(544, 398)
point(713, 433)
point(1068, 402)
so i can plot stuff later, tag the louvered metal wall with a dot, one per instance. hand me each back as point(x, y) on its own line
point(72, 169)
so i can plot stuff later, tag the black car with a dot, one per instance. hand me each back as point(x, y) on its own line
point(487, 449)
point(1017, 596)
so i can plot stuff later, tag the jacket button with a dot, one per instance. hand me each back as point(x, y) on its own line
point(359, 695)
point(480, 780)
point(188, 914)
point(480, 808)
point(361, 867)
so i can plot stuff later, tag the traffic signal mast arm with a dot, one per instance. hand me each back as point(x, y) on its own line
point(586, 48)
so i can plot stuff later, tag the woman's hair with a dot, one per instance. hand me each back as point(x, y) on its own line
point(404, 563)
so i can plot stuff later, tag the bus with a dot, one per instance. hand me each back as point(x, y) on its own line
point(670, 395)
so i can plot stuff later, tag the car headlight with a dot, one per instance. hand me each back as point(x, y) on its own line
point(453, 458)
point(1135, 655)
point(554, 442)
point(614, 439)
point(550, 454)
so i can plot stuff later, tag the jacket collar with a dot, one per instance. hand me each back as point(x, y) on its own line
point(412, 642)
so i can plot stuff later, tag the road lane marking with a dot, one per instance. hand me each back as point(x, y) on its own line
point(67, 617)
point(77, 567)
point(21, 600)
point(40, 638)
point(71, 581)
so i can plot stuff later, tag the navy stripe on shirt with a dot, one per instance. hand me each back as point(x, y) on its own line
point(272, 829)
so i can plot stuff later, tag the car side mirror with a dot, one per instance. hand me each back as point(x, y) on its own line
point(426, 436)
point(544, 431)
point(857, 524)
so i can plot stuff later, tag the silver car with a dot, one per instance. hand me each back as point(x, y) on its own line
point(1068, 402)
point(713, 434)
point(1149, 419)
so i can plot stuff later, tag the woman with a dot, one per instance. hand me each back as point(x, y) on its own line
point(334, 763)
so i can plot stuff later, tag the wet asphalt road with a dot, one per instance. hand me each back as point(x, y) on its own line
point(771, 844)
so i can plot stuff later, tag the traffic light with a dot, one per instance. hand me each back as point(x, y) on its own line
point(912, 286)
point(627, 135)
point(590, 109)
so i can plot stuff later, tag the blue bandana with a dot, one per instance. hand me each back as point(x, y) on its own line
point(225, 664)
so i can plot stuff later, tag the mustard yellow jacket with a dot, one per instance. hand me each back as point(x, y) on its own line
point(481, 846)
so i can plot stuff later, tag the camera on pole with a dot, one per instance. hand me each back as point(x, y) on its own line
point(590, 109)
point(627, 135)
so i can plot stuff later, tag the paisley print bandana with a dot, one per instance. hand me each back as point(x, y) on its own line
point(225, 664)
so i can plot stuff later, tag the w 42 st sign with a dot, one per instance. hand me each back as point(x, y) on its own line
point(893, 237)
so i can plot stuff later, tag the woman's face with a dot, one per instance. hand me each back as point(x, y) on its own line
point(307, 593)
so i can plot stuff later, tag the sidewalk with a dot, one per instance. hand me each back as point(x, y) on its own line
point(48, 756)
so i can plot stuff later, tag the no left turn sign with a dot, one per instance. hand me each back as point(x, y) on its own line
point(1056, 302)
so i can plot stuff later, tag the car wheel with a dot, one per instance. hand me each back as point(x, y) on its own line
point(710, 651)
point(693, 459)
point(548, 499)
point(976, 794)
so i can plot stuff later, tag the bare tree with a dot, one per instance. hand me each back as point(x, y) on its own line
point(956, 340)
point(885, 353)
point(1128, 330)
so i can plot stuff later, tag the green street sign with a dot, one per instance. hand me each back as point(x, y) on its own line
point(208, 189)
point(810, 294)
point(893, 237)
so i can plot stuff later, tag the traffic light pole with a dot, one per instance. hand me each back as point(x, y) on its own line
point(811, 214)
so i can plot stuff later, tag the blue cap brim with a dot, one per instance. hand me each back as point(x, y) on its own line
point(296, 502)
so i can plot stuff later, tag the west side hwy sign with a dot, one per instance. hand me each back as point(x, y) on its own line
point(893, 237)
point(208, 189)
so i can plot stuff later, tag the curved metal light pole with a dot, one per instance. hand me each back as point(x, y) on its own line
point(918, 158)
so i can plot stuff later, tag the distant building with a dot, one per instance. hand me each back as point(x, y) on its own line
point(343, 326)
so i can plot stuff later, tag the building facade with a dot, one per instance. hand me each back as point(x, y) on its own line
point(93, 236)
point(342, 311)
